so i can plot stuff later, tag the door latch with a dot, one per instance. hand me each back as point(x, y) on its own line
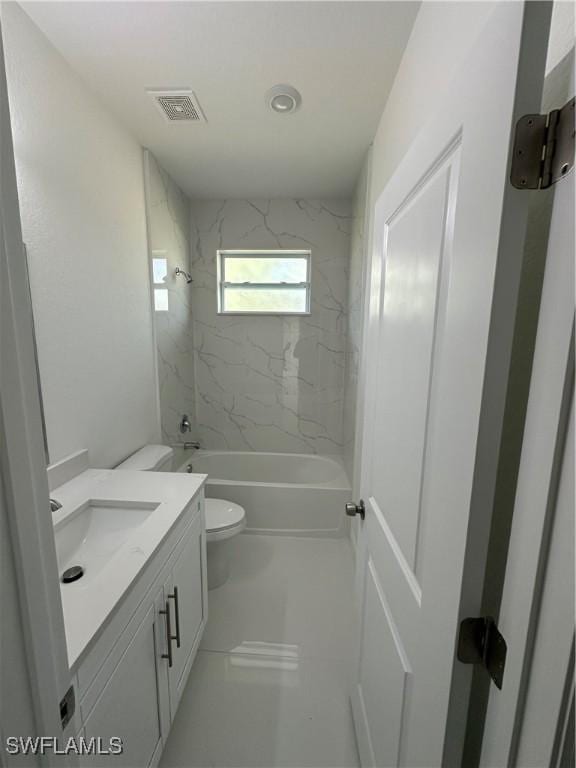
point(480, 642)
point(355, 509)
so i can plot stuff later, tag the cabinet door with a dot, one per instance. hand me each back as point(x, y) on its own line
point(128, 705)
point(187, 602)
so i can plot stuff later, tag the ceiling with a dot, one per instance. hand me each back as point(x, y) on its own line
point(341, 56)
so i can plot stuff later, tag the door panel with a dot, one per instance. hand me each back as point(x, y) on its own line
point(128, 705)
point(415, 240)
point(446, 261)
point(537, 609)
point(383, 670)
point(188, 576)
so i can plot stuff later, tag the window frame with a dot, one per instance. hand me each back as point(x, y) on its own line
point(221, 284)
point(163, 286)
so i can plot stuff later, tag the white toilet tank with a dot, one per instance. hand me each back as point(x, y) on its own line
point(151, 458)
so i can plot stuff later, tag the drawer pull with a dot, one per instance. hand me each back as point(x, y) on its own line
point(169, 638)
point(174, 596)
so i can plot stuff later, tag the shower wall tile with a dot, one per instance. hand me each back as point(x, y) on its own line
point(358, 245)
point(169, 237)
point(272, 383)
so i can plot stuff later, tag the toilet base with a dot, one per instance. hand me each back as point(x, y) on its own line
point(218, 562)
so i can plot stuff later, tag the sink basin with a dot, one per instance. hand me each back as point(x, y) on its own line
point(92, 535)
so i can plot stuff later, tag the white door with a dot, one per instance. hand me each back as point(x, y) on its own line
point(445, 265)
point(187, 603)
point(128, 706)
point(524, 721)
point(32, 622)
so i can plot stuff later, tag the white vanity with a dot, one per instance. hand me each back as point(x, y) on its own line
point(135, 618)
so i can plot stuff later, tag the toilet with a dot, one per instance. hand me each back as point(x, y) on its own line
point(223, 519)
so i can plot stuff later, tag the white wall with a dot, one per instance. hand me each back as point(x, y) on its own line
point(80, 182)
point(562, 32)
point(441, 37)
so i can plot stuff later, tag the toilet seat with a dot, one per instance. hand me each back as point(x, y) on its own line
point(224, 519)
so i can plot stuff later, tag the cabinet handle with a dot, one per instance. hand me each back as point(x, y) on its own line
point(166, 612)
point(174, 596)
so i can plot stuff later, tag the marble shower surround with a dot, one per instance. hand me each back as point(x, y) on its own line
point(357, 272)
point(168, 210)
point(272, 383)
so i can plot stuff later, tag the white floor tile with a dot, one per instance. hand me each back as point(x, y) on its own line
point(285, 590)
point(258, 712)
point(269, 687)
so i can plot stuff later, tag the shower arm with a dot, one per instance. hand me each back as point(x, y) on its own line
point(185, 274)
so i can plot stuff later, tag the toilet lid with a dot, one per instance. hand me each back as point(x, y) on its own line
point(221, 514)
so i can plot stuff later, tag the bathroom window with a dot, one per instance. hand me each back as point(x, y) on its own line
point(159, 275)
point(264, 282)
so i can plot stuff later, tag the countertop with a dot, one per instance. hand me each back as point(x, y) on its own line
point(87, 607)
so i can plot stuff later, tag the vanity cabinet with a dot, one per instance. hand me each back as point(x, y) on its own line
point(128, 705)
point(130, 683)
point(184, 608)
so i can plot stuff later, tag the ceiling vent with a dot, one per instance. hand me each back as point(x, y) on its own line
point(178, 106)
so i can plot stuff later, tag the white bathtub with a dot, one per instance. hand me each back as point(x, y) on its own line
point(282, 493)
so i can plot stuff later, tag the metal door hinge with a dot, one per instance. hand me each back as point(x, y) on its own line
point(543, 148)
point(480, 642)
point(67, 707)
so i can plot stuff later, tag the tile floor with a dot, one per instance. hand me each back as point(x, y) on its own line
point(269, 686)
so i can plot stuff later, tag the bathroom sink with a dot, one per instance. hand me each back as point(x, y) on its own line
point(91, 536)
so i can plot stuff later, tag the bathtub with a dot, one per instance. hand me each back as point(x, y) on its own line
point(282, 493)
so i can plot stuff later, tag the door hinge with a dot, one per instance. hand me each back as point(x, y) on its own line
point(480, 642)
point(67, 707)
point(543, 148)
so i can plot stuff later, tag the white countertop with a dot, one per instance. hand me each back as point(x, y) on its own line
point(88, 606)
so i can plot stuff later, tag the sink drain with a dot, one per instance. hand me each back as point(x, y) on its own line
point(72, 574)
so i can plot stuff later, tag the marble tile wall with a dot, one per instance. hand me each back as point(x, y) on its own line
point(168, 211)
point(272, 383)
point(356, 277)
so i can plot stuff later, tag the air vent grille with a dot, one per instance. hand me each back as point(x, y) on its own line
point(178, 106)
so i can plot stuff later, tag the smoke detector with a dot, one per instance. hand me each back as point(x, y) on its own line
point(283, 99)
point(178, 105)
